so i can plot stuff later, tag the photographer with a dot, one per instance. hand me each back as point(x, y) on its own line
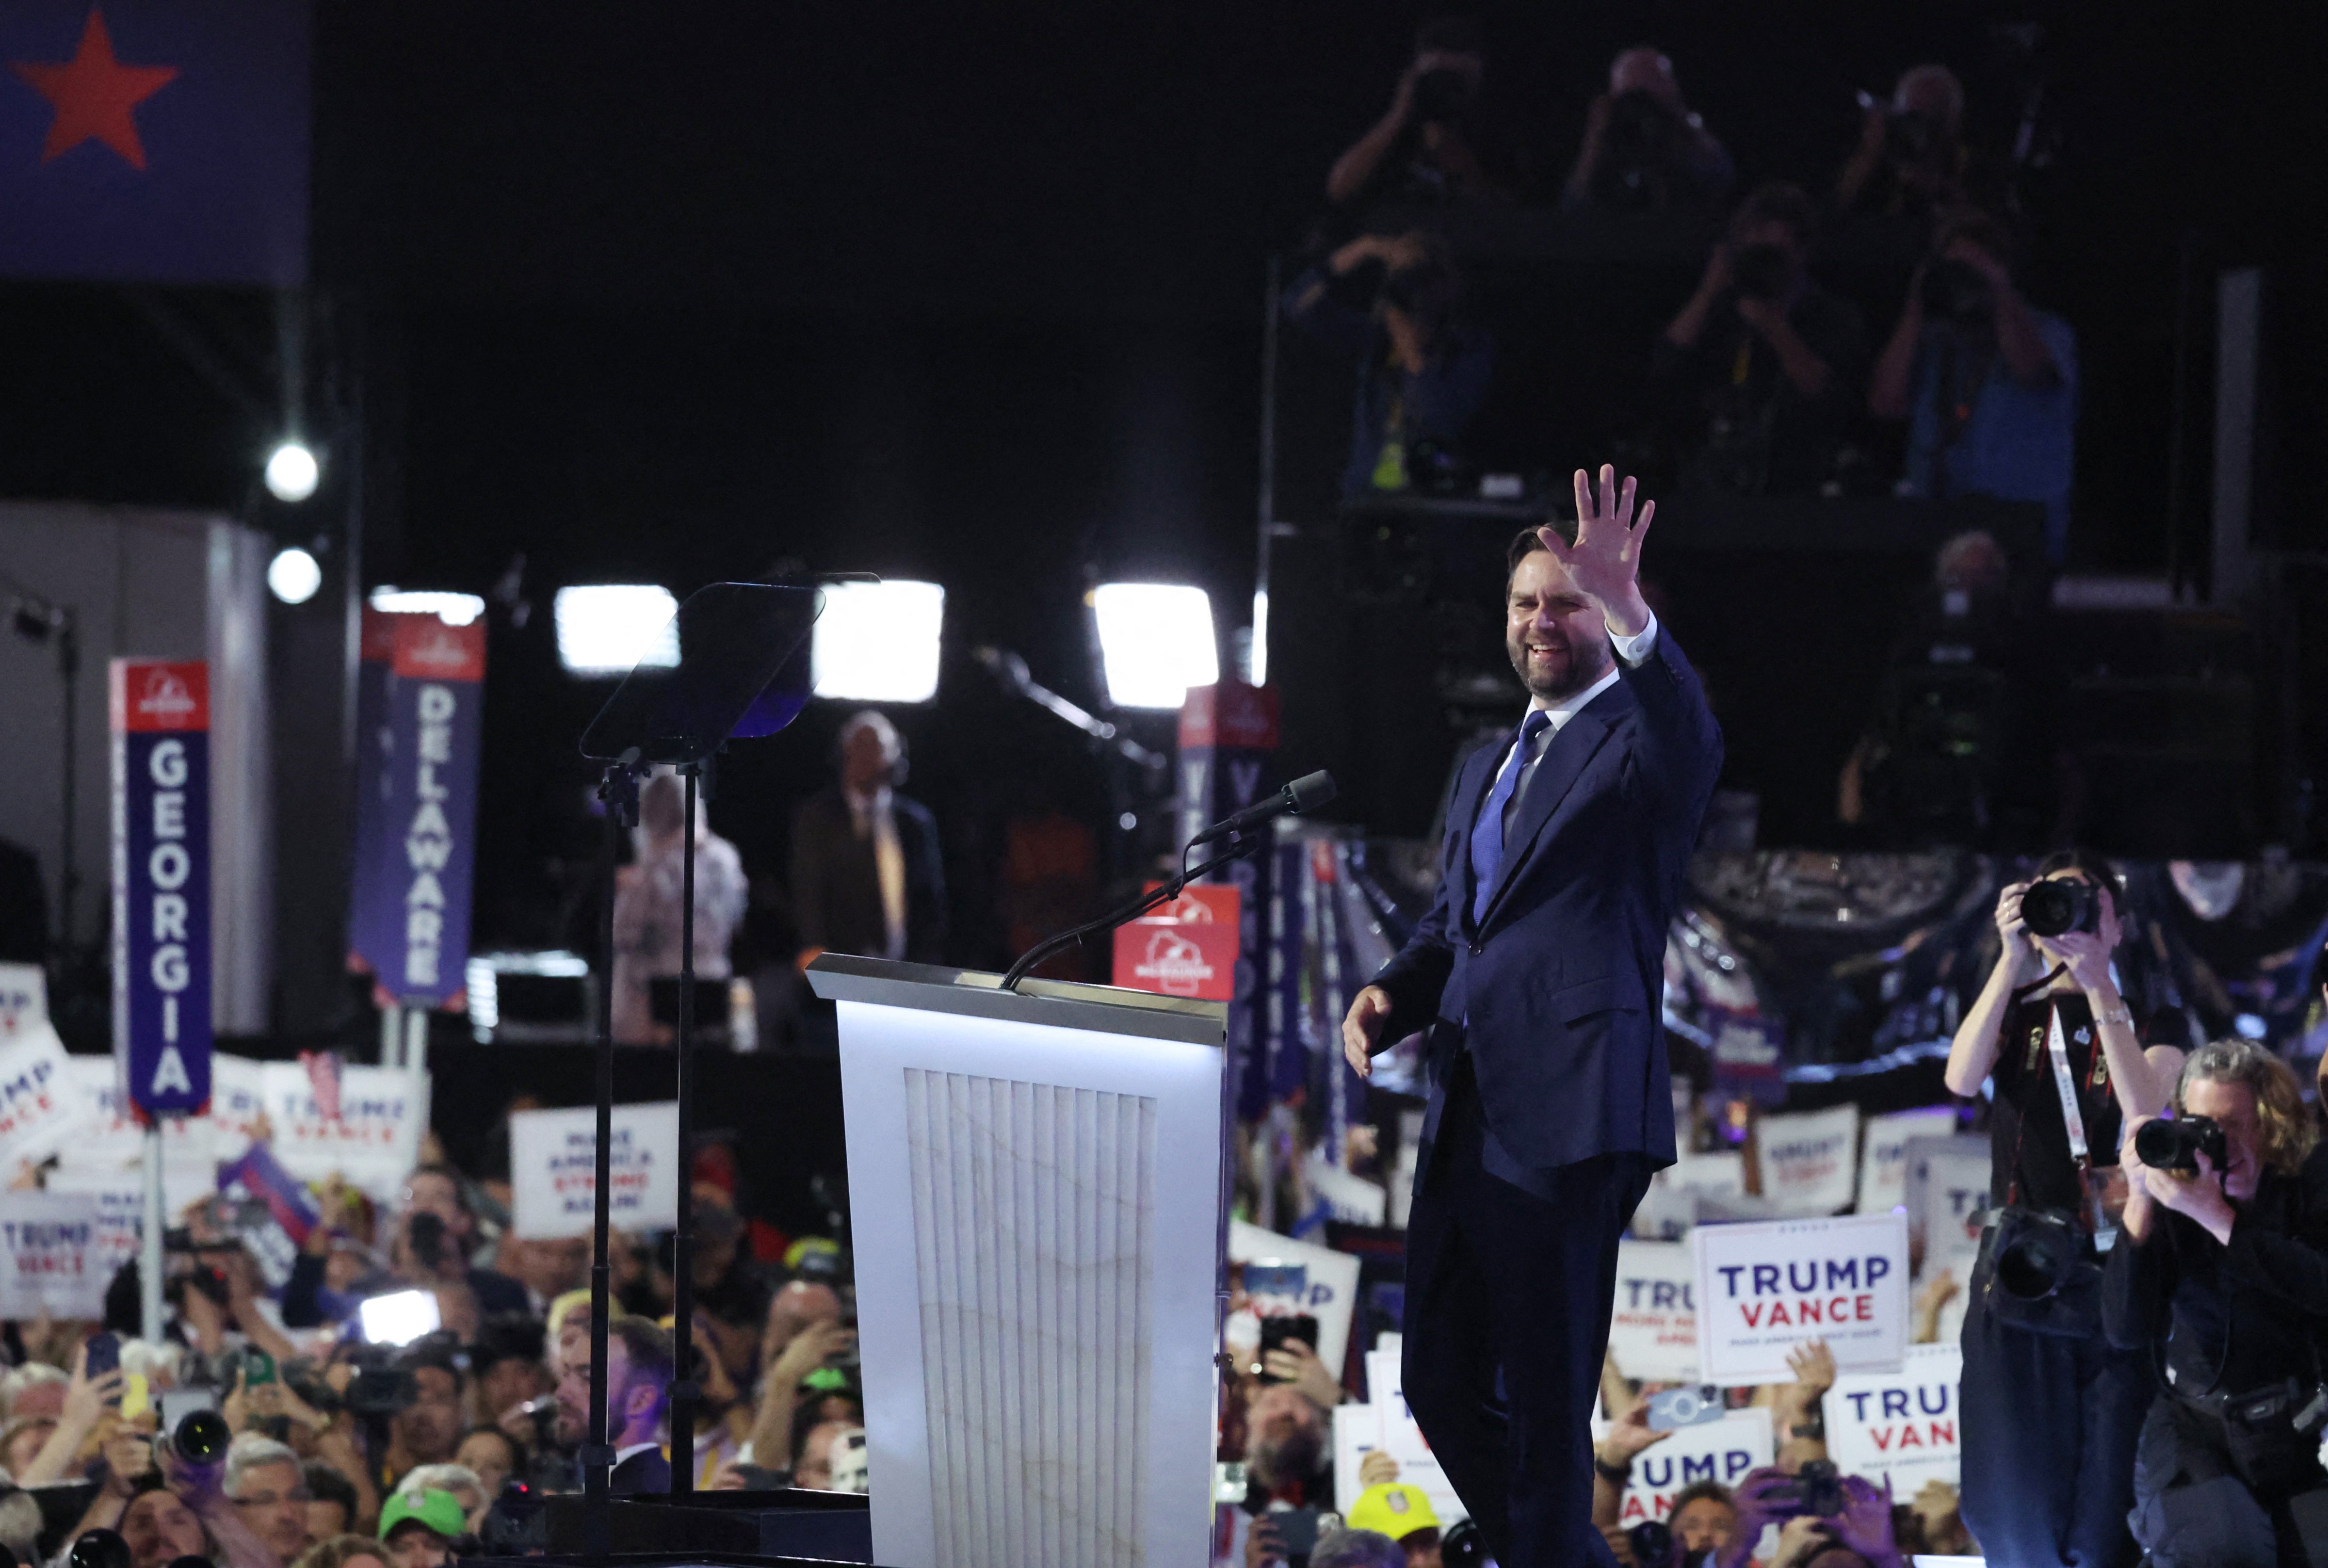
point(1644, 151)
point(1825, 1520)
point(1422, 150)
point(1765, 362)
point(1911, 159)
point(1423, 369)
point(1987, 383)
point(2049, 1411)
point(2222, 1273)
point(1289, 1468)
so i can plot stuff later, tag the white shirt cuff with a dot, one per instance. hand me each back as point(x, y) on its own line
point(1634, 648)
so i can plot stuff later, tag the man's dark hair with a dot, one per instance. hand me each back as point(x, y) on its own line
point(506, 1337)
point(1526, 543)
point(648, 1351)
point(440, 1351)
point(326, 1485)
point(1780, 201)
point(460, 1183)
point(2095, 869)
point(1696, 1489)
point(1454, 34)
point(1978, 228)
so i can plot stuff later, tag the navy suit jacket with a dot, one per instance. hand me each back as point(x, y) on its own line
point(1557, 990)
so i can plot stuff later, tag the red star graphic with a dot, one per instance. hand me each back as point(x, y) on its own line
point(93, 94)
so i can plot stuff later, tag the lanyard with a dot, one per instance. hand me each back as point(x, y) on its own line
point(2065, 1082)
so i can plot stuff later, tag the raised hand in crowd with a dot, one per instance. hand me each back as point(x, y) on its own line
point(1378, 1469)
point(1296, 1362)
point(1866, 1523)
point(1795, 1408)
point(1924, 1317)
point(89, 1402)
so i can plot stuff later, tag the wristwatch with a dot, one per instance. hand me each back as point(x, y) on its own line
point(1615, 1475)
point(1814, 1427)
point(2120, 1015)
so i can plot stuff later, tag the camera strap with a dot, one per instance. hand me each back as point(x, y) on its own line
point(2065, 1082)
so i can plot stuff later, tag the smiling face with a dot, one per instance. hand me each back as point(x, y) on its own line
point(1557, 639)
point(2231, 1107)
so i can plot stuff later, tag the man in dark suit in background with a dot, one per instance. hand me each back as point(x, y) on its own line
point(866, 877)
point(639, 1362)
point(1537, 974)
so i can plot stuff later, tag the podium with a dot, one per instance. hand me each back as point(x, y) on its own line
point(1036, 1215)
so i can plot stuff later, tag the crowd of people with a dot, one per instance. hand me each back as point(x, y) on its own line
point(1764, 380)
point(269, 1428)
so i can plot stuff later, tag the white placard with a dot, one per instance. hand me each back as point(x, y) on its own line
point(1666, 1213)
point(375, 1139)
point(238, 1099)
point(1766, 1288)
point(1653, 1330)
point(1722, 1174)
point(1721, 1451)
point(1883, 1154)
point(24, 999)
point(1901, 1424)
point(52, 1256)
point(120, 1209)
point(1357, 1432)
point(1947, 1188)
point(1329, 1289)
point(1403, 1439)
point(1808, 1160)
point(39, 1112)
point(1348, 1197)
point(554, 1171)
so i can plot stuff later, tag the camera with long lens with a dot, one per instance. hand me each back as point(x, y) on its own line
point(425, 1234)
point(1652, 1541)
point(202, 1437)
point(2062, 905)
point(1462, 1546)
point(1954, 292)
point(2176, 1145)
point(98, 1548)
point(2038, 1253)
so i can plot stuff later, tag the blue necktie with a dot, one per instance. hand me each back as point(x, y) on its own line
point(1488, 831)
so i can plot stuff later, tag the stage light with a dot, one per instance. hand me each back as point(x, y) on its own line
point(605, 628)
point(292, 472)
point(1156, 640)
point(877, 642)
point(453, 610)
point(1259, 659)
point(398, 1318)
point(293, 576)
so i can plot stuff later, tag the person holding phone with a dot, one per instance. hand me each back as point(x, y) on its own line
point(2050, 1410)
point(1289, 1456)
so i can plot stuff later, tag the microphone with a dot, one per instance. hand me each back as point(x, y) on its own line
point(1306, 793)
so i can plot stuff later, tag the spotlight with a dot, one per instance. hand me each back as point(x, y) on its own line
point(292, 472)
point(453, 610)
point(398, 1318)
point(293, 576)
point(1156, 640)
point(605, 628)
point(877, 642)
point(1259, 674)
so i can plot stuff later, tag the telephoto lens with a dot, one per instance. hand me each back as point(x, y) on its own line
point(98, 1549)
point(1652, 1541)
point(2055, 907)
point(2176, 1145)
point(203, 1437)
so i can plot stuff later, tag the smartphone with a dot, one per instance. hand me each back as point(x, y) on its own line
point(104, 1356)
point(1297, 1530)
point(1276, 1331)
point(258, 1367)
point(1690, 1406)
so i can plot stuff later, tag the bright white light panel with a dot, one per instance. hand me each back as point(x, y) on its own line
point(878, 642)
point(1156, 640)
point(606, 628)
point(453, 610)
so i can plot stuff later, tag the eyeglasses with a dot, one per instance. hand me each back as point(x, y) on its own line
point(273, 1500)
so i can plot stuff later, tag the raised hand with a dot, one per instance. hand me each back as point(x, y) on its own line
point(1604, 564)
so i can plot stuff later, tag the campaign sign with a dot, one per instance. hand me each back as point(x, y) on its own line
point(1328, 1288)
point(1391, 1426)
point(414, 931)
point(1714, 1451)
point(371, 1137)
point(1653, 1330)
point(554, 1171)
point(24, 999)
point(162, 885)
point(39, 1111)
point(1763, 1289)
point(120, 1199)
point(1883, 1157)
point(376, 856)
point(1188, 947)
point(1227, 732)
point(1900, 1425)
point(51, 1256)
point(105, 1147)
point(1809, 1162)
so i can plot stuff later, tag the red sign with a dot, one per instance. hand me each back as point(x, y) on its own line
point(1231, 715)
point(1187, 948)
point(427, 649)
point(379, 636)
point(150, 694)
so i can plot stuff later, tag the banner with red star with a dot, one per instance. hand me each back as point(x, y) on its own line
point(154, 141)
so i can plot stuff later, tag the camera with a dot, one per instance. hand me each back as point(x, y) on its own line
point(1760, 271)
point(2036, 1253)
point(2176, 1145)
point(1955, 292)
point(426, 1234)
point(2055, 907)
point(200, 1438)
point(1816, 1490)
point(1652, 1541)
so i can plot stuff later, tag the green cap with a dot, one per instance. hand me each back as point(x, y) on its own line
point(440, 1511)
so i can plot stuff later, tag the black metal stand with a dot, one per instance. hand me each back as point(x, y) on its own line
point(684, 1391)
point(619, 790)
point(1240, 845)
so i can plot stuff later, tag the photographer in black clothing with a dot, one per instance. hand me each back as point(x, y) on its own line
point(2049, 1411)
point(2222, 1273)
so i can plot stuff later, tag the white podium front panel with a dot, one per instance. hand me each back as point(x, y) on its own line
point(1035, 1223)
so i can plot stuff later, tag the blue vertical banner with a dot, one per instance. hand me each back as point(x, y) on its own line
point(160, 724)
point(412, 927)
point(374, 861)
point(1227, 734)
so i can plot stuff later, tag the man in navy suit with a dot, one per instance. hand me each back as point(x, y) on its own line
point(1537, 974)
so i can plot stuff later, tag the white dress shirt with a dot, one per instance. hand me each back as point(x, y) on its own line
point(876, 815)
point(1632, 649)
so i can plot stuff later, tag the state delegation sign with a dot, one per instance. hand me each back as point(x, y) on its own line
point(1764, 1288)
point(161, 884)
